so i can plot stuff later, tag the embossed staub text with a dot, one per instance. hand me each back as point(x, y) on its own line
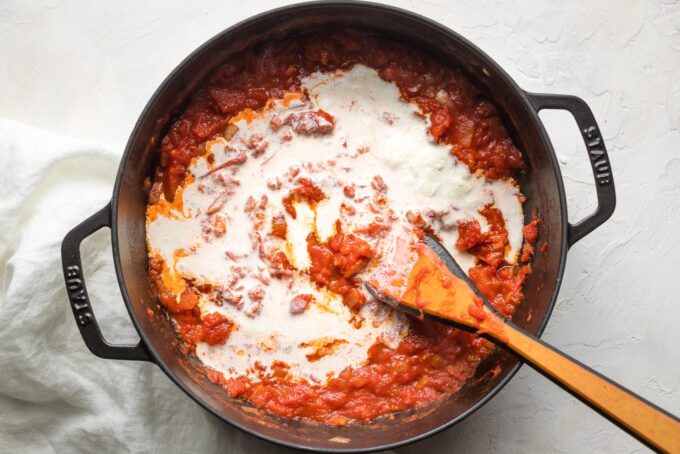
point(598, 156)
point(77, 295)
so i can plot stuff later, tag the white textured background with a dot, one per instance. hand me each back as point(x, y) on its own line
point(85, 69)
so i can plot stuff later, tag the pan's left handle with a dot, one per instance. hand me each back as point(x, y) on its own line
point(77, 293)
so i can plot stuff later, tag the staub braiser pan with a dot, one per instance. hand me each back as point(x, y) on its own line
point(125, 216)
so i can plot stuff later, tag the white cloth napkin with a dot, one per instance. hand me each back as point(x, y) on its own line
point(55, 396)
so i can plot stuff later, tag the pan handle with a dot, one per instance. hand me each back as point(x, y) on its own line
point(597, 152)
point(77, 293)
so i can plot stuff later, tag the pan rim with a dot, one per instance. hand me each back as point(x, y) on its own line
point(492, 66)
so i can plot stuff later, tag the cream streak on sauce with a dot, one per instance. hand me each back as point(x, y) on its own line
point(376, 134)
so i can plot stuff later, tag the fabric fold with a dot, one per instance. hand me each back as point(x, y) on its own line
point(55, 396)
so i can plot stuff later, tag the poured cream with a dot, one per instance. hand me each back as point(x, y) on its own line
point(376, 134)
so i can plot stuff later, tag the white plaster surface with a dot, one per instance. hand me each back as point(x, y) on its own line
point(85, 69)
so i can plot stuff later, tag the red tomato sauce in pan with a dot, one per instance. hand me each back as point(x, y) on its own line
point(434, 360)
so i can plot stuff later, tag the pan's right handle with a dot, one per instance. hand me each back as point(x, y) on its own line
point(597, 152)
point(77, 293)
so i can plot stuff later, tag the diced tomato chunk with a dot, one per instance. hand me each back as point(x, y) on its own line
point(228, 101)
point(306, 190)
point(441, 121)
point(530, 230)
point(216, 328)
point(469, 235)
point(279, 226)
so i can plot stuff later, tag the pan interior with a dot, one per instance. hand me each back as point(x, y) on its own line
point(540, 185)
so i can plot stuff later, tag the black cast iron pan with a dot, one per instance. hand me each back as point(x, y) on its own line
point(125, 216)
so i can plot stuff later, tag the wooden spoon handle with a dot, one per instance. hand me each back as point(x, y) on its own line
point(436, 286)
point(650, 424)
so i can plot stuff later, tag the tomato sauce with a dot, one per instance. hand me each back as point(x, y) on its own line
point(459, 115)
point(213, 328)
point(434, 360)
point(428, 364)
point(335, 263)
